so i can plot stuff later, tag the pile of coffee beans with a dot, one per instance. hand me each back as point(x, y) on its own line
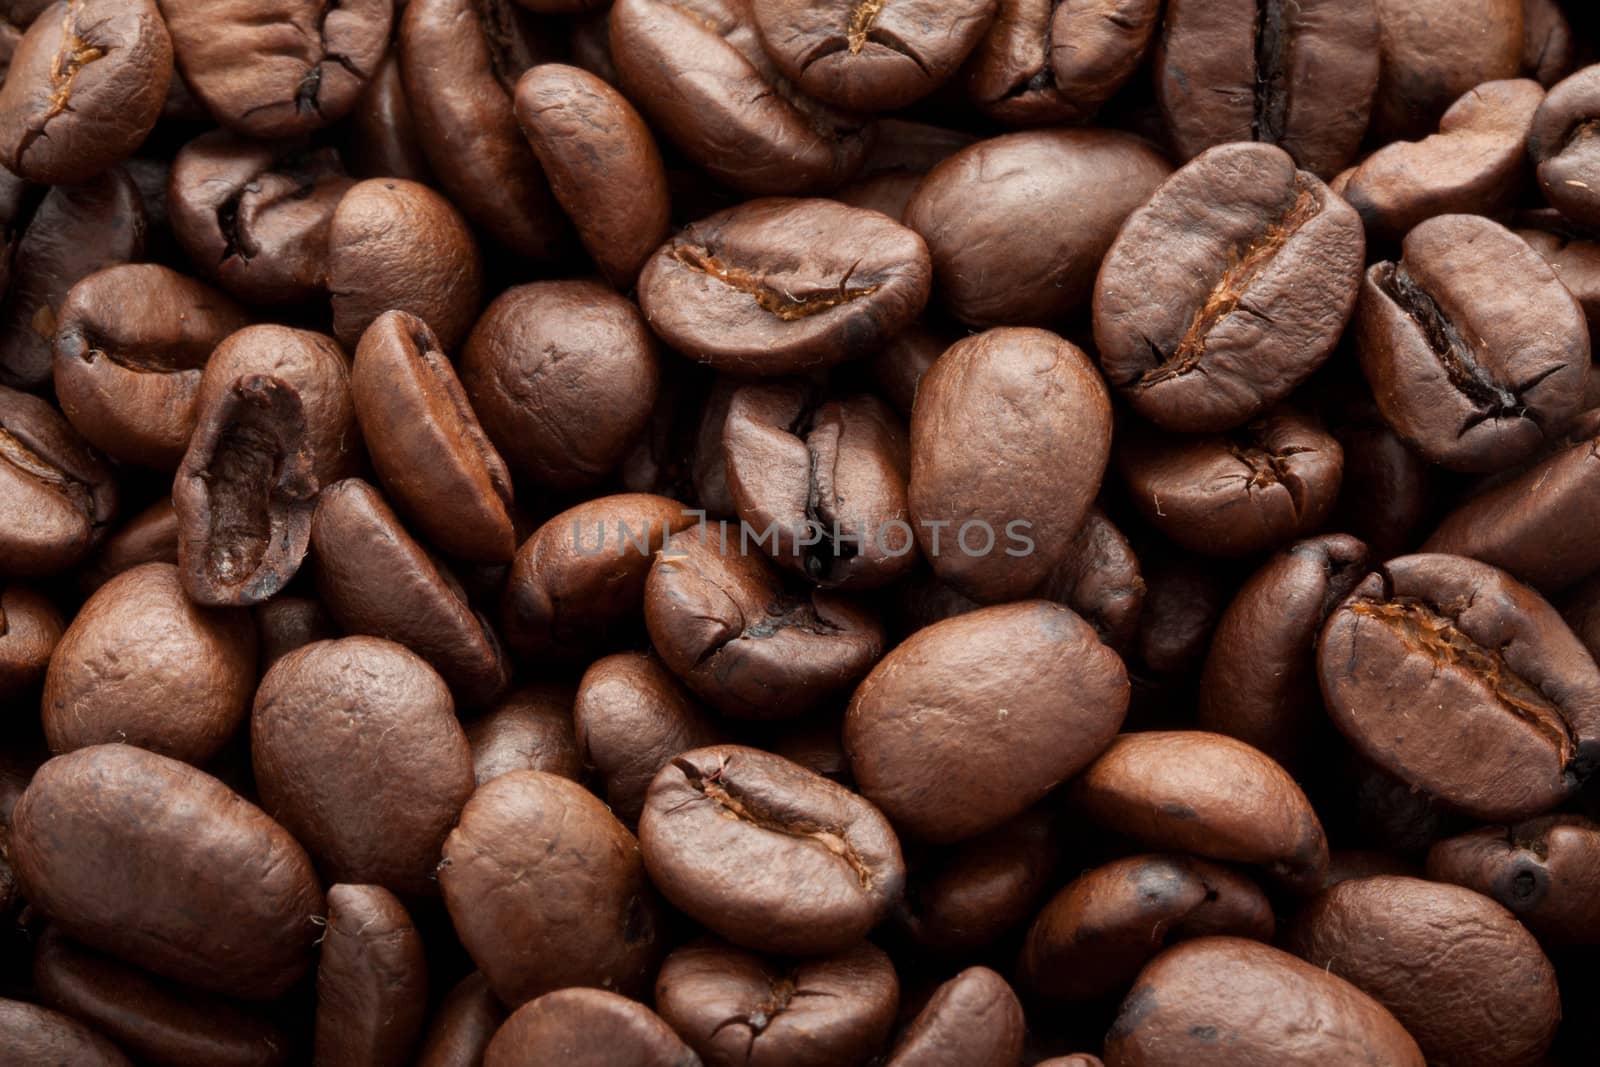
point(750, 533)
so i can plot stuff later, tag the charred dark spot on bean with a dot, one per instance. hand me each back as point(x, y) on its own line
point(1207, 1034)
point(1178, 811)
point(1424, 630)
point(1244, 268)
point(1523, 887)
point(1582, 132)
point(305, 94)
point(787, 306)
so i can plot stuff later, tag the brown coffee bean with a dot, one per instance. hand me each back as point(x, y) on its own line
point(1184, 598)
point(548, 358)
point(586, 1028)
point(1207, 794)
point(1004, 400)
point(899, 367)
point(1564, 144)
point(749, 644)
point(383, 130)
point(536, 860)
point(85, 87)
point(738, 1009)
point(1474, 164)
point(1494, 662)
point(157, 1020)
point(1095, 935)
point(255, 217)
point(870, 57)
point(1259, 684)
point(1432, 51)
point(944, 716)
point(425, 442)
point(826, 479)
point(142, 665)
point(59, 497)
point(372, 980)
point(286, 623)
point(130, 345)
point(804, 866)
point(149, 537)
point(1455, 968)
point(30, 628)
point(280, 68)
point(1202, 324)
point(463, 1025)
point(1575, 259)
point(75, 231)
point(31, 1034)
point(530, 729)
point(1255, 489)
point(577, 585)
point(777, 286)
point(1013, 264)
point(375, 579)
point(371, 779)
point(1226, 1001)
point(701, 75)
point(632, 717)
point(162, 865)
point(974, 1019)
point(603, 165)
point(1387, 492)
point(1545, 871)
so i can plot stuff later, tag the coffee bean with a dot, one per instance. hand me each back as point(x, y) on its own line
point(60, 497)
point(383, 129)
point(149, 537)
point(1432, 51)
point(1549, 46)
point(462, 1026)
point(586, 1028)
point(974, 1018)
point(530, 729)
point(31, 1034)
point(1204, 325)
point(372, 979)
point(804, 865)
point(30, 629)
point(1564, 144)
point(1544, 871)
point(286, 623)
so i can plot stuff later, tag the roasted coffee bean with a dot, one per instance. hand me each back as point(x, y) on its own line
point(1432, 51)
point(371, 777)
point(59, 497)
point(547, 890)
point(149, 537)
point(750, 644)
point(130, 345)
point(276, 423)
point(75, 231)
point(1297, 75)
point(286, 623)
point(460, 61)
point(463, 1025)
point(1475, 163)
point(710, 463)
point(281, 68)
point(577, 585)
point(1014, 263)
point(1574, 257)
point(1185, 597)
point(586, 1028)
point(425, 442)
point(530, 729)
point(1095, 935)
point(1004, 400)
point(30, 628)
point(1564, 144)
point(871, 56)
point(1206, 794)
point(699, 71)
point(804, 866)
point(85, 88)
point(1252, 490)
point(143, 665)
point(1259, 684)
point(31, 1034)
point(162, 865)
point(901, 152)
point(1545, 871)
point(944, 718)
point(827, 480)
point(602, 162)
point(383, 130)
point(158, 1020)
point(1226, 1001)
point(372, 980)
point(1202, 324)
point(974, 1019)
point(898, 368)
point(631, 717)
point(738, 1009)
point(550, 358)
point(255, 217)
point(1387, 492)
point(1549, 46)
point(1405, 942)
point(1437, 630)
point(377, 580)
point(778, 285)
point(1045, 62)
